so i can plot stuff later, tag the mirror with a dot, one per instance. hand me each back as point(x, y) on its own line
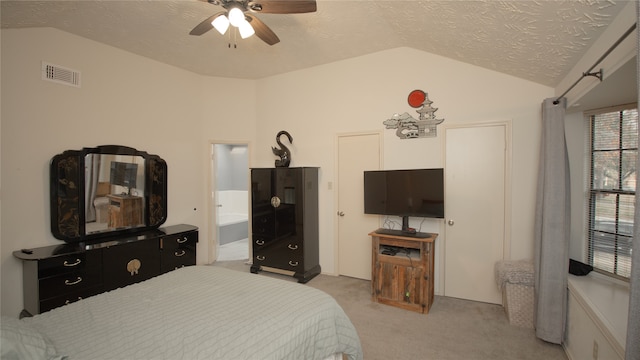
point(105, 191)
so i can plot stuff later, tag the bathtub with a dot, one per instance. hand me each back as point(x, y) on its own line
point(231, 219)
point(232, 207)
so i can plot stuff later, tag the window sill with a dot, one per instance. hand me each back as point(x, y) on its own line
point(606, 301)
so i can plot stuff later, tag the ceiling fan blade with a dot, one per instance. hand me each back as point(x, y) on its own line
point(214, 2)
point(205, 26)
point(282, 6)
point(262, 30)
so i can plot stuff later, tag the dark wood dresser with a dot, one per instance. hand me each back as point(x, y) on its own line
point(60, 274)
point(285, 236)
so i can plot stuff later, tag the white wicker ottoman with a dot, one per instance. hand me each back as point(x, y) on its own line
point(515, 279)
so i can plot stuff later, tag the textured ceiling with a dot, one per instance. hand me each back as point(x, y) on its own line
point(534, 40)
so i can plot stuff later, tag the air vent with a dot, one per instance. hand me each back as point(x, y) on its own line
point(60, 74)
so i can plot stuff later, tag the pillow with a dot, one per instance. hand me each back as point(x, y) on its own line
point(18, 340)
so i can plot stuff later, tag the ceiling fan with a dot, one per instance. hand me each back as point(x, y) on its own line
point(238, 14)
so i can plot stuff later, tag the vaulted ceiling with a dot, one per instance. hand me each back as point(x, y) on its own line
point(535, 40)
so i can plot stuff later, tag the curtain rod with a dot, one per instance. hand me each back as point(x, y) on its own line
point(599, 73)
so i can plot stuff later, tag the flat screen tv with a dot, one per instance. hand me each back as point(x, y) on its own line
point(123, 174)
point(405, 193)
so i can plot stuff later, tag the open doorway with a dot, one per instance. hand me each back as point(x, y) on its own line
point(230, 174)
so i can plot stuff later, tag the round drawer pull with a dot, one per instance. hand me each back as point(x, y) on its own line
point(260, 257)
point(183, 240)
point(293, 246)
point(133, 266)
point(77, 262)
point(69, 283)
point(260, 242)
point(293, 263)
point(179, 253)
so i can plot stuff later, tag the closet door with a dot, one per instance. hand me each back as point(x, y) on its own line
point(476, 186)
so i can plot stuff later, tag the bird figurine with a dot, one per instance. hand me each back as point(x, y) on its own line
point(283, 152)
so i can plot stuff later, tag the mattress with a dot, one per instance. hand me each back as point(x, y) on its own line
point(202, 312)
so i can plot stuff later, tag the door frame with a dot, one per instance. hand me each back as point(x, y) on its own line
point(336, 187)
point(212, 239)
point(506, 246)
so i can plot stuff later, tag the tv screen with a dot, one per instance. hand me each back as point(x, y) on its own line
point(123, 174)
point(418, 192)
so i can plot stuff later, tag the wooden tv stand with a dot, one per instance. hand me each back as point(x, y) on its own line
point(402, 269)
point(124, 211)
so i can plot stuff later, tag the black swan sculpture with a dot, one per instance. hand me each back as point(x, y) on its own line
point(283, 152)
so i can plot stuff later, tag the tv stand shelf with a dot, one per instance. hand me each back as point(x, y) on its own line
point(402, 269)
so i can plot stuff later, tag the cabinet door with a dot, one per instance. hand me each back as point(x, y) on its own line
point(289, 214)
point(276, 195)
point(130, 263)
point(263, 213)
point(400, 285)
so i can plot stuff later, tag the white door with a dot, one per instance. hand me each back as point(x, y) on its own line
point(356, 153)
point(475, 183)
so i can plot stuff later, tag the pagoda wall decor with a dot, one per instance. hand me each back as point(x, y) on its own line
point(409, 128)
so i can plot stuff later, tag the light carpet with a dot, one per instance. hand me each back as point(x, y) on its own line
point(453, 329)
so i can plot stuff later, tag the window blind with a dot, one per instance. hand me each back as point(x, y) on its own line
point(614, 152)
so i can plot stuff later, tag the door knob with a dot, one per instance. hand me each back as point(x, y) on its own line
point(450, 222)
point(340, 213)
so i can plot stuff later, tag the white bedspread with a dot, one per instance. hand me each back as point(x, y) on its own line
point(203, 312)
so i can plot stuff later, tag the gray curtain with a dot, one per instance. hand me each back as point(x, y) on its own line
point(632, 348)
point(552, 225)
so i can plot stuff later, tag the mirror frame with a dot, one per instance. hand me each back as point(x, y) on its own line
point(67, 192)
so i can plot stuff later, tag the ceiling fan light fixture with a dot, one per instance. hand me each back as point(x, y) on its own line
point(236, 17)
point(221, 23)
point(246, 30)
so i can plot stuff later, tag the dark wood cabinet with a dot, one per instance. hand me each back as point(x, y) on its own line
point(60, 274)
point(284, 206)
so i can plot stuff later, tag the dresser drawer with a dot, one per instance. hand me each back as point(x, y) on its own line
point(58, 301)
point(177, 258)
point(281, 254)
point(180, 241)
point(69, 263)
point(68, 283)
point(178, 250)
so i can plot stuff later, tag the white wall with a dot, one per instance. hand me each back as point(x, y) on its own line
point(360, 93)
point(124, 99)
point(129, 100)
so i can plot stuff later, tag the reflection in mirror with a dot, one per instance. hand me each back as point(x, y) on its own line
point(106, 191)
point(114, 192)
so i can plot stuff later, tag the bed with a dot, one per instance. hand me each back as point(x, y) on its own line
point(196, 312)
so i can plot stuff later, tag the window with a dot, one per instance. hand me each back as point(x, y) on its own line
point(614, 152)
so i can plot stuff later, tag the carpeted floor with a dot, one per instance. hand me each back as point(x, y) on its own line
point(453, 329)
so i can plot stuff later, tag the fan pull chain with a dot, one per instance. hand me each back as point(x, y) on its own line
point(235, 38)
